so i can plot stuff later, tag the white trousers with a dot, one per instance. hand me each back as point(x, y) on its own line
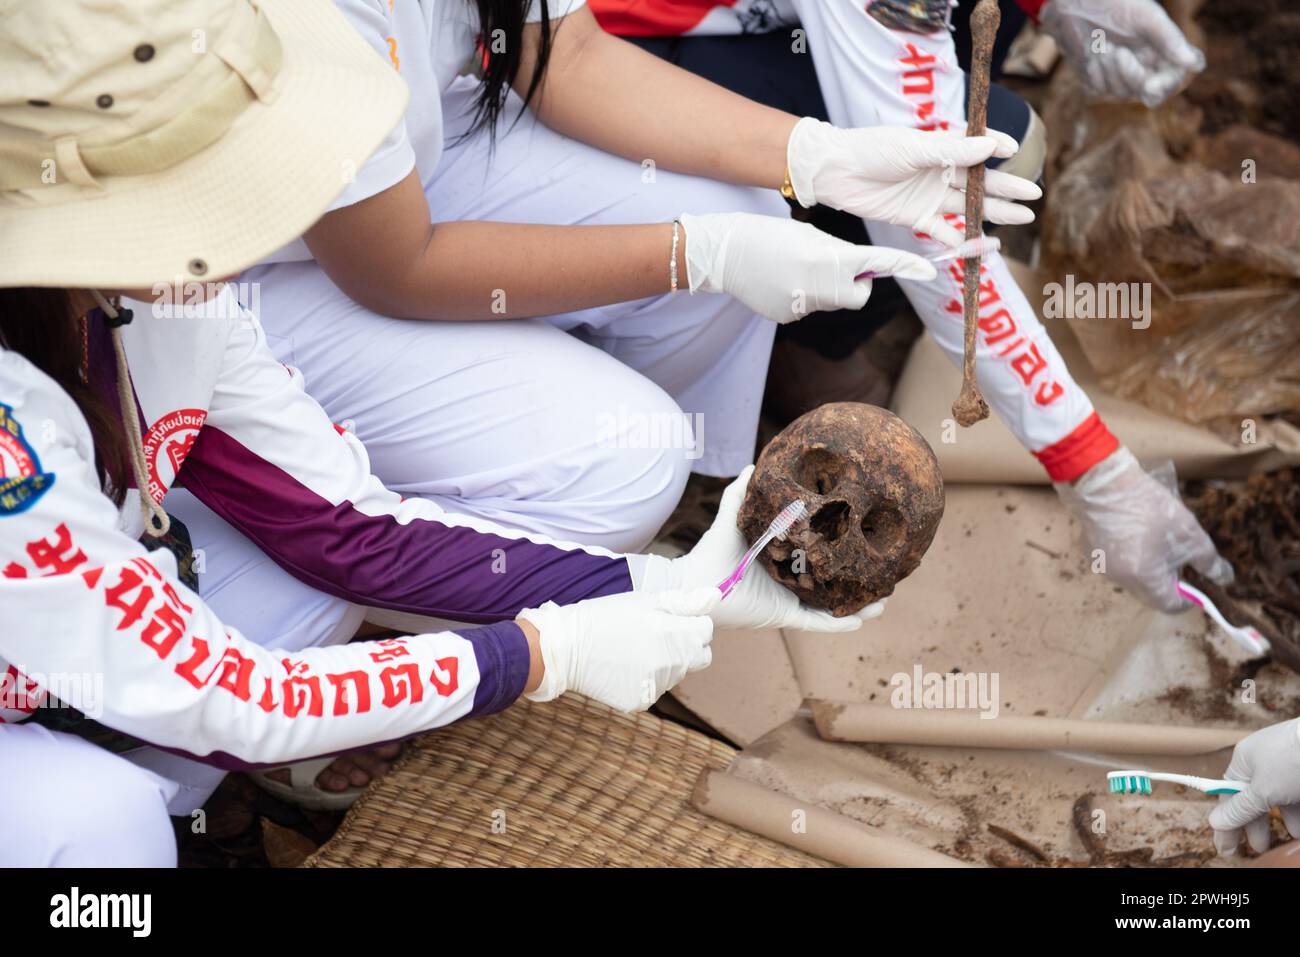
point(67, 803)
point(502, 418)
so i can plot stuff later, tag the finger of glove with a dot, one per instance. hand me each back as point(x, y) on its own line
point(1010, 186)
point(1007, 145)
point(1227, 841)
point(1128, 72)
point(1241, 767)
point(734, 495)
point(1160, 84)
point(1006, 213)
point(1160, 590)
point(1161, 34)
point(944, 149)
point(1291, 818)
point(1239, 810)
point(700, 658)
point(886, 261)
point(804, 618)
point(1258, 834)
point(1216, 568)
point(874, 610)
point(695, 603)
point(995, 210)
point(855, 295)
point(940, 230)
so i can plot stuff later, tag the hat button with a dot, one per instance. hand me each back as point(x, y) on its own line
point(104, 101)
point(144, 52)
point(198, 267)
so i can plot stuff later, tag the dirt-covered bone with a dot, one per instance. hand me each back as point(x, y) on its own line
point(874, 497)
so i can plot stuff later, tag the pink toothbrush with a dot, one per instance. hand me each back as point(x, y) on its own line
point(1248, 637)
point(979, 247)
point(784, 521)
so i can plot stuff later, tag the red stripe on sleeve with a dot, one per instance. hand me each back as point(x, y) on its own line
point(1032, 7)
point(652, 18)
point(1079, 451)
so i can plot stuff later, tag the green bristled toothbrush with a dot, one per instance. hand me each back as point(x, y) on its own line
point(1139, 782)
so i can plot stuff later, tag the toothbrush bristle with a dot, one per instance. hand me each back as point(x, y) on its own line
point(1130, 784)
point(787, 517)
point(981, 246)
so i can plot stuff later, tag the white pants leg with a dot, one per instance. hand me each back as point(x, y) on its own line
point(268, 605)
point(66, 803)
point(499, 420)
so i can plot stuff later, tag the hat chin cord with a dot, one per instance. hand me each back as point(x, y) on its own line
point(156, 521)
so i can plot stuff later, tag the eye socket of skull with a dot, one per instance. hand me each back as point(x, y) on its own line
point(874, 498)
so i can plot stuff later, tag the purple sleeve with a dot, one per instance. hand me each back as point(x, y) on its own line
point(421, 566)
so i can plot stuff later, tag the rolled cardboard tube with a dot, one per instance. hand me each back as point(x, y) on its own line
point(823, 833)
point(880, 724)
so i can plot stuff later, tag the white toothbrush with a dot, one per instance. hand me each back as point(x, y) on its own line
point(784, 521)
point(1139, 782)
point(1248, 637)
point(976, 248)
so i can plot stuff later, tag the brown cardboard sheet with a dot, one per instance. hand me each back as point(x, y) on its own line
point(1007, 592)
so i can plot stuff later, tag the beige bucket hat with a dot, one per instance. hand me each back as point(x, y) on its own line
point(155, 140)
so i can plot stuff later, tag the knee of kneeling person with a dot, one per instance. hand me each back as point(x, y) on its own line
point(116, 817)
point(643, 467)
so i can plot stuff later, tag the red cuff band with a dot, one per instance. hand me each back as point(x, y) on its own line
point(1031, 7)
point(1079, 451)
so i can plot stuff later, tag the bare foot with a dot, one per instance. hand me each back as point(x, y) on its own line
point(353, 770)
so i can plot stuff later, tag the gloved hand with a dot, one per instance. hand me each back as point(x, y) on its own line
point(1142, 528)
point(902, 176)
point(784, 269)
point(1269, 762)
point(623, 650)
point(759, 601)
point(1138, 55)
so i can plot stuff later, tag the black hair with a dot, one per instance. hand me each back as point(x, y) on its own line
point(41, 325)
point(501, 45)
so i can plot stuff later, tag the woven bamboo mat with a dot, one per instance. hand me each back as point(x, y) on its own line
point(568, 783)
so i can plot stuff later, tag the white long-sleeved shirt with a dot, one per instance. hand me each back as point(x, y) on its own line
point(79, 595)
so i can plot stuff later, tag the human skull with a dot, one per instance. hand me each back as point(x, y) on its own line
point(874, 497)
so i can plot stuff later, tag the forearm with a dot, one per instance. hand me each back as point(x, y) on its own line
point(481, 270)
point(610, 94)
point(478, 270)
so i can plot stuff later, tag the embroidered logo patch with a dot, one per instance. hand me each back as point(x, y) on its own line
point(22, 482)
point(165, 447)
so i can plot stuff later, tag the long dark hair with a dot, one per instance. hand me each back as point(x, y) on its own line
point(501, 68)
point(41, 325)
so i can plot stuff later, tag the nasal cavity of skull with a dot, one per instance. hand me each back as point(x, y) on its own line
point(831, 520)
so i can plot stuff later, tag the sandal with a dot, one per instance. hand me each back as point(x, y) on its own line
point(302, 789)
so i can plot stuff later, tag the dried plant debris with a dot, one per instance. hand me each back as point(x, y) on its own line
point(1254, 523)
point(1099, 855)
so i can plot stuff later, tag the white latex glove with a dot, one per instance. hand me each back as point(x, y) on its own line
point(1127, 49)
point(1269, 762)
point(759, 601)
point(1143, 529)
point(892, 174)
point(784, 269)
point(623, 650)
